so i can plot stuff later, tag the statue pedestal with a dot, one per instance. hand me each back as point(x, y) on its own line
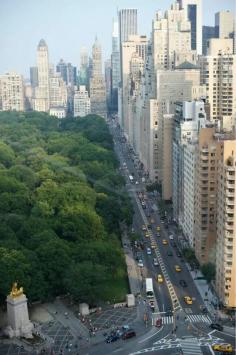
point(19, 324)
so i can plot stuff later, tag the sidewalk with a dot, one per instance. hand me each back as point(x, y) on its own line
point(135, 280)
point(210, 300)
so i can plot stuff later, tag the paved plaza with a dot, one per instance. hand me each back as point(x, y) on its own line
point(113, 317)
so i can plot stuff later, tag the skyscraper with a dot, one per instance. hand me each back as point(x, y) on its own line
point(193, 10)
point(83, 72)
point(127, 24)
point(41, 100)
point(68, 72)
point(34, 76)
point(97, 83)
point(115, 66)
point(224, 24)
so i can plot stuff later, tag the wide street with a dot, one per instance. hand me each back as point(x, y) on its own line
point(185, 328)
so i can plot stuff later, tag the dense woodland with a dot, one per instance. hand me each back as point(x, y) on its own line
point(61, 201)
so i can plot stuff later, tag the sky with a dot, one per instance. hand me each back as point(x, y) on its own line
point(67, 25)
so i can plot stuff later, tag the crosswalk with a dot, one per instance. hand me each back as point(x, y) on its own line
point(193, 318)
point(190, 346)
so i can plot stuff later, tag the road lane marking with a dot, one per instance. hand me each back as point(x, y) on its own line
point(150, 336)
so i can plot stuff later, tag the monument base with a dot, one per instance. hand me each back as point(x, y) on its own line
point(19, 324)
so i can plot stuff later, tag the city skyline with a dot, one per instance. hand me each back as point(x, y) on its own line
point(66, 41)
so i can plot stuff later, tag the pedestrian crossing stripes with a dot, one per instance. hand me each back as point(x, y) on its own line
point(194, 318)
point(190, 346)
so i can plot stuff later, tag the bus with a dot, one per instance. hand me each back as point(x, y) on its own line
point(131, 179)
point(149, 288)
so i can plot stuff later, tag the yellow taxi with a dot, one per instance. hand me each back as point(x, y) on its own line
point(164, 242)
point(152, 221)
point(153, 245)
point(147, 235)
point(158, 228)
point(177, 268)
point(144, 228)
point(160, 278)
point(188, 300)
point(226, 348)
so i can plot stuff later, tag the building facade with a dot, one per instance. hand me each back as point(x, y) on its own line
point(11, 92)
point(82, 106)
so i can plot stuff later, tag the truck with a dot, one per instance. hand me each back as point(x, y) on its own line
point(149, 288)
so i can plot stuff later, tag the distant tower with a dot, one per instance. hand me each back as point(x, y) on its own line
point(193, 9)
point(41, 101)
point(84, 72)
point(97, 83)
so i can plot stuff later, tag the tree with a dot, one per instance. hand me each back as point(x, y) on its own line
point(209, 271)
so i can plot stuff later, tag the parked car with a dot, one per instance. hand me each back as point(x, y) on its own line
point(217, 326)
point(169, 253)
point(171, 237)
point(129, 334)
point(149, 252)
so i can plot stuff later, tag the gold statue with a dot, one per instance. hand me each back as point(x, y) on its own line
point(16, 292)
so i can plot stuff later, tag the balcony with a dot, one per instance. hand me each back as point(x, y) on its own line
point(229, 219)
point(229, 193)
point(229, 210)
point(229, 227)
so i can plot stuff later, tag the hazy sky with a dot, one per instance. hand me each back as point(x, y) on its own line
point(66, 25)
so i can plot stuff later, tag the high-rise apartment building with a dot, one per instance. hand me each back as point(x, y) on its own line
point(171, 39)
point(57, 91)
point(41, 101)
point(218, 73)
point(189, 117)
point(226, 224)
point(135, 44)
point(11, 92)
point(97, 83)
point(82, 106)
point(224, 24)
point(193, 9)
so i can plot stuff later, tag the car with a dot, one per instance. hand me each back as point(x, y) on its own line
point(147, 235)
point(160, 278)
point(149, 252)
point(204, 310)
point(225, 348)
point(140, 263)
point(188, 300)
point(112, 338)
point(158, 228)
point(183, 283)
point(155, 262)
point(149, 226)
point(171, 237)
point(158, 235)
point(169, 253)
point(144, 228)
point(129, 334)
point(165, 242)
point(217, 326)
point(152, 305)
point(152, 221)
point(177, 268)
point(153, 246)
